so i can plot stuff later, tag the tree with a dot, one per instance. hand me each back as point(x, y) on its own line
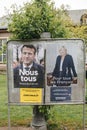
point(32, 19)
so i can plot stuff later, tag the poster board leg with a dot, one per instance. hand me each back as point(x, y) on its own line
point(84, 115)
point(9, 121)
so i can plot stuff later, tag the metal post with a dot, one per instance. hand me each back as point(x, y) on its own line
point(9, 122)
point(38, 121)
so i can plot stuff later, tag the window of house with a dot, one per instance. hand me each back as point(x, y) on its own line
point(3, 50)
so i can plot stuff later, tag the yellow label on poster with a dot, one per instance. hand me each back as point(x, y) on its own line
point(31, 95)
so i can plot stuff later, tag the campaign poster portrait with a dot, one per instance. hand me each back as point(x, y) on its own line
point(27, 72)
point(65, 73)
point(27, 69)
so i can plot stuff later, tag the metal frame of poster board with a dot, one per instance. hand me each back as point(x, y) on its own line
point(56, 90)
point(52, 93)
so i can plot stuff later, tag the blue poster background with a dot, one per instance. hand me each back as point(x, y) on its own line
point(60, 93)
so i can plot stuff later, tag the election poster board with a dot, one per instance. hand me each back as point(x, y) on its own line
point(48, 71)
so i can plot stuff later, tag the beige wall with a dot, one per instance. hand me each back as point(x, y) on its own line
point(4, 35)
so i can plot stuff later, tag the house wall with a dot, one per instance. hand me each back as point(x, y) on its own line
point(4, 35)
point(75, 15)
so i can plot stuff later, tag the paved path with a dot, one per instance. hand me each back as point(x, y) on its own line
point(19, 128)
point(15, 128)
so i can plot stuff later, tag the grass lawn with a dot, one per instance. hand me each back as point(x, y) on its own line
point(19, 114)
point(64, 116)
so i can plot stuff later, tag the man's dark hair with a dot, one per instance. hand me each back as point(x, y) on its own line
point(29, 46)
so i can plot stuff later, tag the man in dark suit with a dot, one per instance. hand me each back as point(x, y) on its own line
point(64, 71)
point(28, 73)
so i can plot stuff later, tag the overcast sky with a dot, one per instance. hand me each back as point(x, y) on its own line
point(73, 4)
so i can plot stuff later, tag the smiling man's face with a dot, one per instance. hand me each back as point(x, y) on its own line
point(28, 55)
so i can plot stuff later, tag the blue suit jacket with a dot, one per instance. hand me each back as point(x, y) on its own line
point(36, 78)
point(67, 66)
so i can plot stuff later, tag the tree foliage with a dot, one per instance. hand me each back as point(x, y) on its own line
point(79, 32)
point(39, 16)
